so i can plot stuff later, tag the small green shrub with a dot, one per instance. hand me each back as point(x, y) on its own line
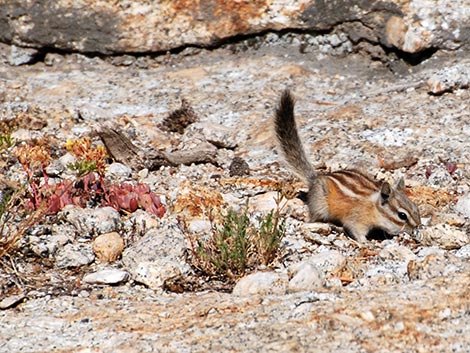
point(239, 245)
point(6, 141)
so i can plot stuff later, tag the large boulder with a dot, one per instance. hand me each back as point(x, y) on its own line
point(96, 26)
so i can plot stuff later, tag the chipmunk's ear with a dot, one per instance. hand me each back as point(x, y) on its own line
point(400, 184)
point(385, 191)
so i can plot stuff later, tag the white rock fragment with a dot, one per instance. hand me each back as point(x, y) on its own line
point(118, 171)
point(55, 168)
point(444, 236)
point(198, 225)
point(430, 250)
point(21, 56)
point(11, 301)
point(109, 276)
point(440, 178)
point(266, 202)
point(22, 134)
point(141, 222)
point(383, 275)
point(261, 283)
point(318, 228)
point(154, 273)
point(263, 202)
point(463, 252)
point(306, 277)
point(388, 137)
point(450, 78)
point(397, 252)
point(327, 261)
point(463, 205)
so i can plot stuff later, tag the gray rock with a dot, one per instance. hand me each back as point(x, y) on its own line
point(199, 225)
point(75, 255)
point(140, 222)
point(92, 221)
point(22, 56)
point(394, 137)
point(38, 246)
point(440, 178)
point(261, 283)
point(56, 241)
point(157, 256)
point(80, 130)
point(109, 276)
point(22, 134)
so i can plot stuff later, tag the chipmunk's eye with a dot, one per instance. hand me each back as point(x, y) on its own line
point(402, 216)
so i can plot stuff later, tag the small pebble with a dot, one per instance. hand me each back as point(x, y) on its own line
point(111, 276)
point(108, 247)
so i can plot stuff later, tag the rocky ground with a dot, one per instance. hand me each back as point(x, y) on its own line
point(64, 290)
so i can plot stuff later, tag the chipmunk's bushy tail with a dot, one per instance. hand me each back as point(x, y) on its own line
point(288, 137)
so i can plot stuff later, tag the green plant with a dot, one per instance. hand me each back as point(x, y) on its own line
point(89, 159)
point(269, 234)
point(6, 141)
point(238, 244)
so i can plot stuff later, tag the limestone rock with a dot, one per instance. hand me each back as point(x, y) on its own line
point(108, 247)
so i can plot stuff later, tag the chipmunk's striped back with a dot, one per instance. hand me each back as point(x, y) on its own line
point(346, 197)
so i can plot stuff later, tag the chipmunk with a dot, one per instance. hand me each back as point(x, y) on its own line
point(347, 198)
